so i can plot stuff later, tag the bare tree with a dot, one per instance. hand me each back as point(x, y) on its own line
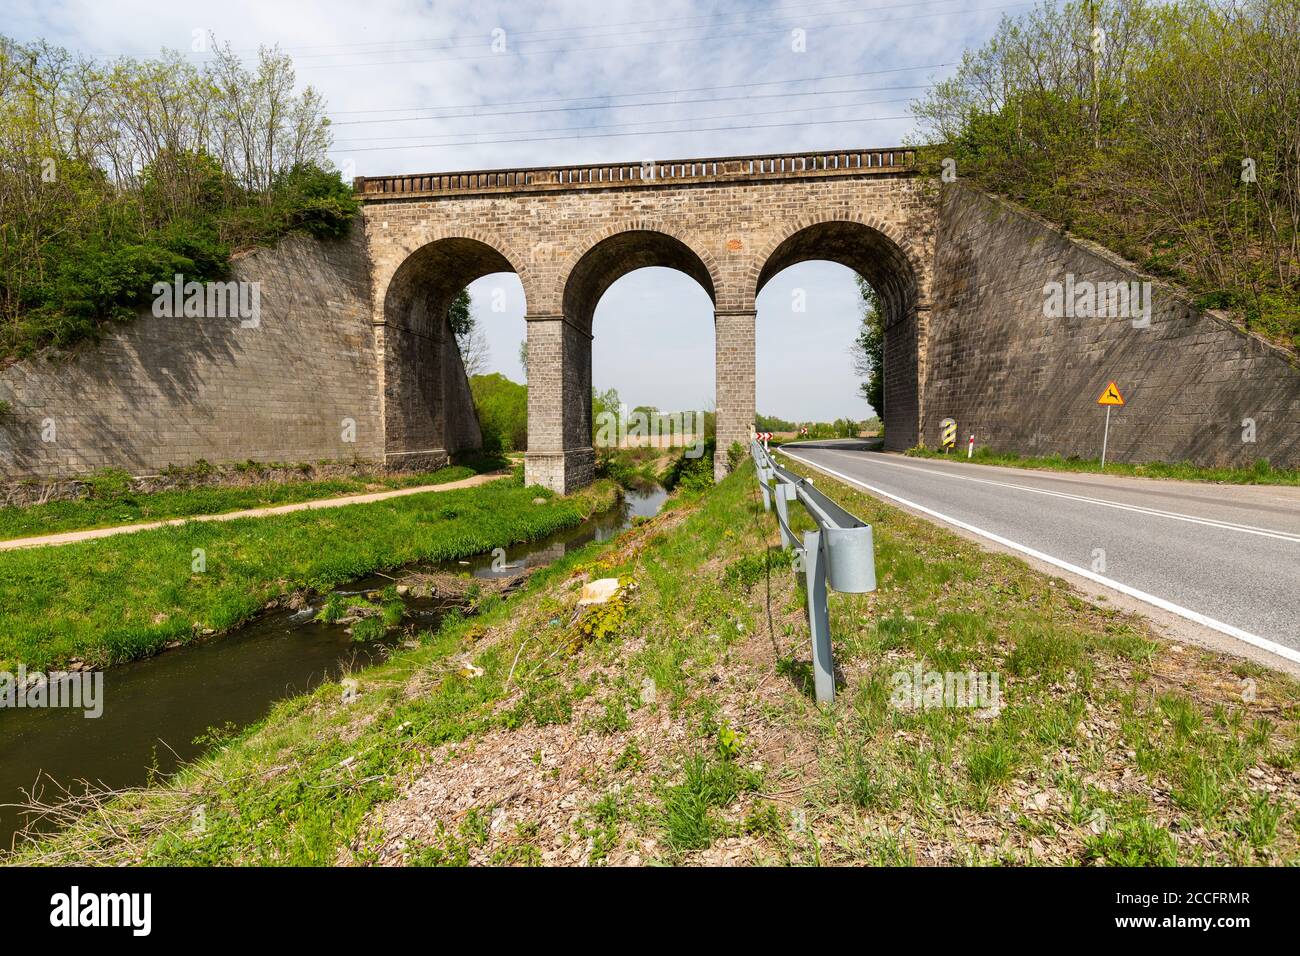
point(474, 351)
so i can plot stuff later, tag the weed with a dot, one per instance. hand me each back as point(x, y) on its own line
point(613, 717)
point(333, 609)
point(368, 629)
point(729, 742)
point(688, 814)
point(746, 571)
point(1135, 843)
point(1259, 826)
point(991, 764)
point(630, 759)
point(764, 820)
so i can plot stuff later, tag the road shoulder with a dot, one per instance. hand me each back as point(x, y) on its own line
point(1177, 629)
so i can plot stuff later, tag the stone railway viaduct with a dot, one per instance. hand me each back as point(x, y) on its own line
point(570, 232)
point(353, 356)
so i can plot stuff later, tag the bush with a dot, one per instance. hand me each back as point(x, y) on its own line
point(315, 201)
point(108, 484)
point(84, 237)
point(692, 474)
point(616, 468)
point(106, 274)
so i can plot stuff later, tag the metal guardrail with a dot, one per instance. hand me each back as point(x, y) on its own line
point(840, 553)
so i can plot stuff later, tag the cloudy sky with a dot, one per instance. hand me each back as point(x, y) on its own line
point(465, 84)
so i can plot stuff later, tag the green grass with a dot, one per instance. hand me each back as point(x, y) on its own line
point(1261, 473)
point(633, 468)
point(1097, 713)
point(110, 503)
point(123, 597)
point(1064, 666)
point(688, 813)
point(295, 787)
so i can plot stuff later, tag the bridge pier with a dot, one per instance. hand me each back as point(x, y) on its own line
point(560, 456)
point(734, 372)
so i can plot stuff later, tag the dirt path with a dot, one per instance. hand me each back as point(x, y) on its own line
point(68, 537)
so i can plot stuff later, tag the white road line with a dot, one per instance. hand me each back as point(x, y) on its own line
point(1281, 650)
point(1139, 509)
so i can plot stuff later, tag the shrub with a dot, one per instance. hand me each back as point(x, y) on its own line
point(108, 484)
point(502, 407)
point(82, 249)
point(735, 455)
point(692, 474)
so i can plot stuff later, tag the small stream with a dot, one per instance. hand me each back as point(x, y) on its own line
point(155, 708)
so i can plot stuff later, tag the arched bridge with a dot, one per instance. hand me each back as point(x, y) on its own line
point(570, 232)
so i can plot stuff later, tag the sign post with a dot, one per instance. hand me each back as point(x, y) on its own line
point(1110, 398)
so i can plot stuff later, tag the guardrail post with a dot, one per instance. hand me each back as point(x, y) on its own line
point(764, 476)
point(783, 493)
point(818, 618)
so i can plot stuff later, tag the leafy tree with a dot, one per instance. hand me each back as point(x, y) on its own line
point(115, 175)
point(462, 321)
point(602, 403)
point(470, 340)
point(1171, 135)
point(770, 423)
point(502, 407)
point(868, 349)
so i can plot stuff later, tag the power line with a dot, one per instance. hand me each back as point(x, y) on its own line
point(579, 109)
point(616, 46)
point(614, 27)
point(550, 139)
point(688, 89)
point(613, 30)
point(684, 119)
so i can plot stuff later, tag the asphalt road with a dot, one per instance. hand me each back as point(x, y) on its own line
point(1224, 556)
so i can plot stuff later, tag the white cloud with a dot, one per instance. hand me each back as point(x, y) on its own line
point(374, 60)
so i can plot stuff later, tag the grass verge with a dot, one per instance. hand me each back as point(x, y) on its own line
point(676, 725)
point(114, 599)
point(1261, 473)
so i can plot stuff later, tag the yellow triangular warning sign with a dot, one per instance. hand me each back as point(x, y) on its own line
point(1111, 396)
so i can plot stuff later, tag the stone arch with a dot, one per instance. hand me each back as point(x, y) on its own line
point(419, 239)
point(560, 453)
point(619, 248)
point(901, 251)
point(428, 413)
point(895, 269)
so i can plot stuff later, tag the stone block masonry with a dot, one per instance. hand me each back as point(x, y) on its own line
point(170, 391)
point(353, 340)
point(1197, 388)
